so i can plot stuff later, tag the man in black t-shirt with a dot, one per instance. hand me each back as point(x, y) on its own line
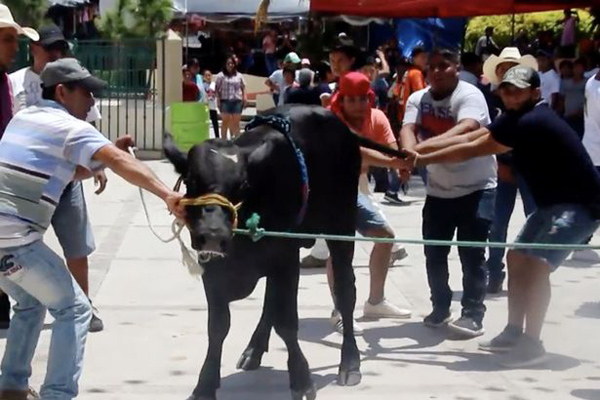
point(565, 186)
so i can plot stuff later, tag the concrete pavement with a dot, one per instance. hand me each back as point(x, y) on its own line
point(155, 316)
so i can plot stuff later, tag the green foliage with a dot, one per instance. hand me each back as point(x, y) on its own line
point(137, 19)
point(530, 23)
point(28, 12)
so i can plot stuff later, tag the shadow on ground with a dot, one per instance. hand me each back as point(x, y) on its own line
point(586, 394)
point(589, 310)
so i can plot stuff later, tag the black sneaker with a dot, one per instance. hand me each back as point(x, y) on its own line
point(528, 352)
point(438, 318)
point(495, 284)
point(504, 342)
point(96, 324)
point(466, 327)
point(393, 198)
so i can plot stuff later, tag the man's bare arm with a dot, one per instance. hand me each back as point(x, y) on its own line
point(408, 136)
point(464, 126)
point(373, 158)
point(482, 146)
point(430, 146)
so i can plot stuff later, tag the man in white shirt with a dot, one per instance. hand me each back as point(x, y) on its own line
point(70, 222)
point(485, 45)
point(471, 68)
point(550, 79)
point(276, 82)
point(460, 196)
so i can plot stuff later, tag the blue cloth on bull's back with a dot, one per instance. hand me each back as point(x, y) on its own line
point(284, 125)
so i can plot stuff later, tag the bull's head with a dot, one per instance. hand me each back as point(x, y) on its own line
point(213, 167)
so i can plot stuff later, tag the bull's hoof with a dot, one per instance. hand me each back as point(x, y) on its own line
point(250, 360)
point(310, 394)
point(349, 377)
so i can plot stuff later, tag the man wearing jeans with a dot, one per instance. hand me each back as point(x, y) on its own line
point(460, 196)
point(568, 209)
point(45, 147)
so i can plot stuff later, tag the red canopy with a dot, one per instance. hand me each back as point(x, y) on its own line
point(443, 8)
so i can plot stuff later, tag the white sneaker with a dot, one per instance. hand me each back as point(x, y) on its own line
point(589, 256)
point(338, 324)
point(385, 309)
point(398, 255)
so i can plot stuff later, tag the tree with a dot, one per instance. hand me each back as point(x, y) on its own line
point(28, 12)
point(137, 19)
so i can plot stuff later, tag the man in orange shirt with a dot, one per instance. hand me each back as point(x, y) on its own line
point(412, 81)
point(353, 103)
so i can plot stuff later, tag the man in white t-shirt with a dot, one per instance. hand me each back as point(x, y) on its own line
point(550, 79)
point(70, 221)
point(460, 196)
point(276, 82)
point(591, 142)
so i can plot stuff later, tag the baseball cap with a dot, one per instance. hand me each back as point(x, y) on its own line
point(52, 35)
point(522, 77)
point(305, 61)
point(292, 58)
point(70, 70)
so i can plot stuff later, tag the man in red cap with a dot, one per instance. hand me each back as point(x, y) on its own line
point(354, 103)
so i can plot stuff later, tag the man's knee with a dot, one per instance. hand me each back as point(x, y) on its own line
point(384, 232)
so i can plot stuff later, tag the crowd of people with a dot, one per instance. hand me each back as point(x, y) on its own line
point(450, 113)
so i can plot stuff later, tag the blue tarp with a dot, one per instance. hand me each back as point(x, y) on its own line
point(424, 32)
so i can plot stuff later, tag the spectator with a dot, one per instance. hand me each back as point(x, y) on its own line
point(305, 93)
point(289, 82)
point(269, 47)
point(305, 63)
point(486, 46)
point(569, 28)
point(472, 68)
point(9, 46)
point(412, 81)
point(459, 196)
point(53, 139)
point(70, 221)
point(509, 180)
point(230, 88)
point(591, 142)
point(190, 89)
point(572, 94)
point(550, 80)
point(211, 99)
point(342, 59)
point(275, 82)
point(194, 68)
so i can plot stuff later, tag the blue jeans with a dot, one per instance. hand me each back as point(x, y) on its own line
point(470, 216)
point(557, 224)
point(394, 182)
point(37, 279)
point(505, 204)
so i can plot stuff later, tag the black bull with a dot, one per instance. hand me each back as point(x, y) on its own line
point(260, 170)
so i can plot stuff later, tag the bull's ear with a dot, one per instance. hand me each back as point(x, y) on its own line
point(174, 155)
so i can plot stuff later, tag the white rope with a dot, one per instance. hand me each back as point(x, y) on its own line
point(188, 257)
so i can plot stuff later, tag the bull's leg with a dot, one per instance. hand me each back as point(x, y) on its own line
point(219, 321)
point(285, 320)
point(259, 343)
point(345, 301)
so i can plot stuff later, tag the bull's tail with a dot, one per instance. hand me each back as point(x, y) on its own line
point(369, 144)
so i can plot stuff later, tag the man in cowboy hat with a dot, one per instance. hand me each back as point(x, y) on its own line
point(9, 45)
point(509, 183)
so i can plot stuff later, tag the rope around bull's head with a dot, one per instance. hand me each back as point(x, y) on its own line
point(213, 199)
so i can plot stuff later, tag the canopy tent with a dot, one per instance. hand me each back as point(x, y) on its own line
point(67, 3)
point(443, 8)
point(230, 9)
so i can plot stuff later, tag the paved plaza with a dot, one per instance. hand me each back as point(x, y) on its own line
point(156, 335)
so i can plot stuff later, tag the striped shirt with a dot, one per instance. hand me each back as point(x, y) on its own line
point(39, 153)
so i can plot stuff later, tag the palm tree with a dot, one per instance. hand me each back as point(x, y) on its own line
point(28, 12)
point(261, 14)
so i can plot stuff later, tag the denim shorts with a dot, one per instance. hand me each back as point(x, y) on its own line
point(558, 224)
point(71, 223)
point(231, 107)
point(369, 215)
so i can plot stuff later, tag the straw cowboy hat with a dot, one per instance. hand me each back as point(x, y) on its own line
point(509, 54)
point(7, 21)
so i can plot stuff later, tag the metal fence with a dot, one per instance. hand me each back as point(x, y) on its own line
point(133, 104)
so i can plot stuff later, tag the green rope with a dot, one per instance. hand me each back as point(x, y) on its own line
point(256, 233)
